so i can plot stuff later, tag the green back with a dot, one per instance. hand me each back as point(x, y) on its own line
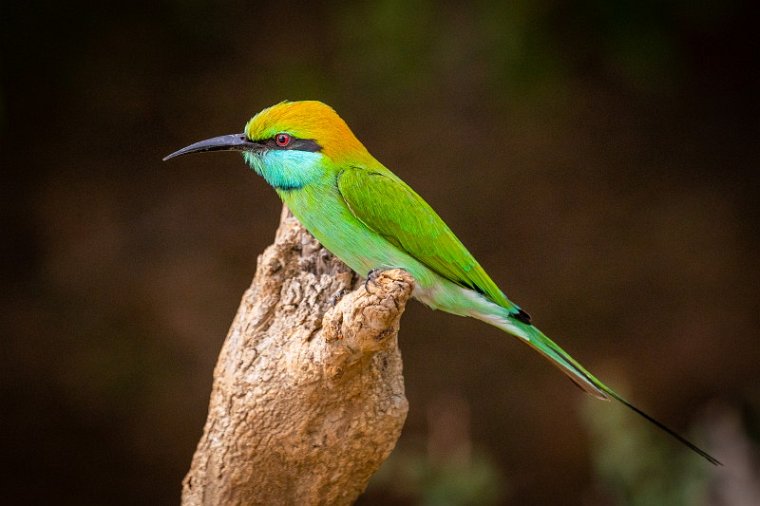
point(387, 205)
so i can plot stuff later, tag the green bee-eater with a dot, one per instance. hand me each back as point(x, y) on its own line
point(370, 219)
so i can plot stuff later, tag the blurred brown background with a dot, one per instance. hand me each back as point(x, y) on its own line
point(599, 158)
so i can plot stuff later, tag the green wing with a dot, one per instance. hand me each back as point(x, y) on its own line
point(391, 208)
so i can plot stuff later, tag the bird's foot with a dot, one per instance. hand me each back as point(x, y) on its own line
point(371, 277)
point(337, 296)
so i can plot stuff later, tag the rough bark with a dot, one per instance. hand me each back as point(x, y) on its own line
point(308, 397)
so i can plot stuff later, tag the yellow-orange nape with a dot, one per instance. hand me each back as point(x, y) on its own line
point(309, 119)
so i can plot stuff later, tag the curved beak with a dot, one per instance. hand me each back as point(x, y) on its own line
point(234, 142)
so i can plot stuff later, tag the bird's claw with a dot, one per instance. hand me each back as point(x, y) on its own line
point(337, 296)
point(371, 277)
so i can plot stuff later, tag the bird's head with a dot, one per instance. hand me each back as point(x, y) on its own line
point(290, 144)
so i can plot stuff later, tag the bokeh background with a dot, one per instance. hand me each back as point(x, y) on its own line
point(600, 158)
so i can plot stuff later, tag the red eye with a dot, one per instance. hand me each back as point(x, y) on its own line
point(282, 140)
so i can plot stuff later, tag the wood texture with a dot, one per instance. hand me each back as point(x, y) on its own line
point(308, 394)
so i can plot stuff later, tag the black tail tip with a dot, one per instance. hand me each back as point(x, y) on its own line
point(696, 449)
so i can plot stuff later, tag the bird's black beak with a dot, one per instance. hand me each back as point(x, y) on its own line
point(235, 142)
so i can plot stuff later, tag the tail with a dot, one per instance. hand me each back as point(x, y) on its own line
point(580, 376)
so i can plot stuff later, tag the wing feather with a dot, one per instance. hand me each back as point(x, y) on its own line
point(391, 208)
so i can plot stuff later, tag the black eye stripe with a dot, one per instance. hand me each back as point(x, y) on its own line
point(296, 144)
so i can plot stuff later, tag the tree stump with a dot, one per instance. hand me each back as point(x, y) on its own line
point(308, 394)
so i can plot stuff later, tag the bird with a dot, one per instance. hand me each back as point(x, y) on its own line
point(370, 219)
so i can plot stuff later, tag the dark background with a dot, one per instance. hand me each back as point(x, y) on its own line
point(599, 158)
